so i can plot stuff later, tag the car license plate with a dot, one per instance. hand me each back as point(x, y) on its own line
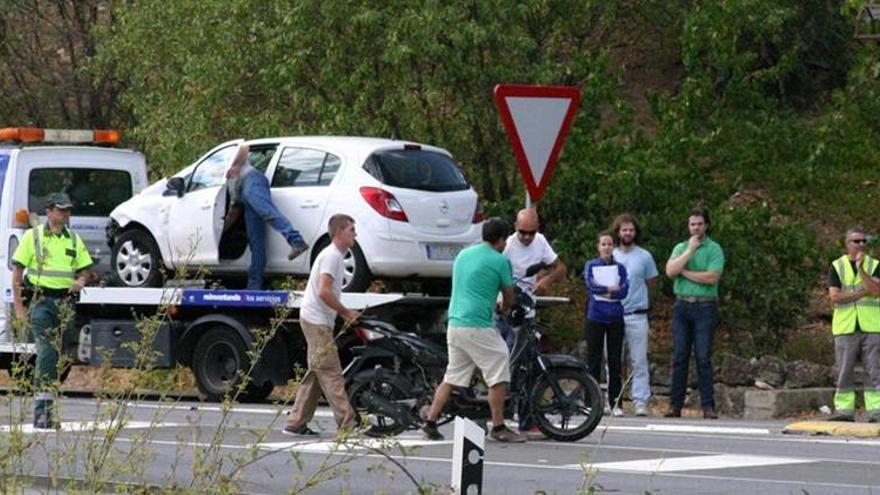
point(443, 252)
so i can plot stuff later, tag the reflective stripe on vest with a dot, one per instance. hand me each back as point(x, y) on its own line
point(41, 273)
point(865, 311)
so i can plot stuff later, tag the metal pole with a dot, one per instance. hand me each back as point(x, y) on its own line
point(528, 199)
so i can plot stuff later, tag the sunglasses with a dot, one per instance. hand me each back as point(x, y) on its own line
point(858, 241)
point(527, 233)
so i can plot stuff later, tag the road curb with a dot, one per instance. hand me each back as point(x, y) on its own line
point(834, 428)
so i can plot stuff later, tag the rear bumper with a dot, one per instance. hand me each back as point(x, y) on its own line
point(402, 257)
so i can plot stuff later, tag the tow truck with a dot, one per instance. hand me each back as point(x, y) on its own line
point(224, 336)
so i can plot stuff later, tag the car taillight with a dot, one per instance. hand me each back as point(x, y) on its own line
point(478, 213)
point(384, 203)
point(367, 335)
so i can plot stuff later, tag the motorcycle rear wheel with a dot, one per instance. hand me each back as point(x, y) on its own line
point(572, 417)
point(388, 387)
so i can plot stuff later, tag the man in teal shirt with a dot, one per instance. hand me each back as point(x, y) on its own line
point(695, 267)
point(478, 274)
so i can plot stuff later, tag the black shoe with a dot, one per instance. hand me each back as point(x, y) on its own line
point(845, 417)
point(709, 413)
point(673, 412)
point(302, 431)
point(296, 249)
point(46, 422)
point(431, 432)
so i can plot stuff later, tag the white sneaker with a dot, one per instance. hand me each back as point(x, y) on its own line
point(607, 411)
point(641, 410)
point(617, 412)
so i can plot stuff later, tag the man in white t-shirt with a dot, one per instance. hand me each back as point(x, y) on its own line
point(525, 248)
point(642, 273)
point(317, 317)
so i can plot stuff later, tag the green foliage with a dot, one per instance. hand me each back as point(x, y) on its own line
point(751, 54)
point(420, 71)
point(770, 270)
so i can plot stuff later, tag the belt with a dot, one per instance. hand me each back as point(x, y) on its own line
point(636, 312)
point(696, 299)
point(53, 293)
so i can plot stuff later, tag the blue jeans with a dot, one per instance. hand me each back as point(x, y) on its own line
point(258, 211)
point(693, 325)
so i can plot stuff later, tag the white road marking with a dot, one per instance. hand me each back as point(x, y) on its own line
point(321, 413)
point(78, 426)
point(690, 429)
point(352, 446)
point(695, 463)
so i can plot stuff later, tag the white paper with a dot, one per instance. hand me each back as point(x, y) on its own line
point(605, 276)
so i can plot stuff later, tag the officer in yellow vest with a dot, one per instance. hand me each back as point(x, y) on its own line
point(854, 291)
point(57, 262)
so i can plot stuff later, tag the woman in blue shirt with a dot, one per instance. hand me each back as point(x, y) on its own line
point(607, 285)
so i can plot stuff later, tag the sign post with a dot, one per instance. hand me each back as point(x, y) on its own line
point(537, 120)
point(467, 457)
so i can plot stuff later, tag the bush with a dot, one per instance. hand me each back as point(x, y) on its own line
point(771, 267)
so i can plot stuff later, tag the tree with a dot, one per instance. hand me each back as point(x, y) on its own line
point(421, 71)
point(45, 49)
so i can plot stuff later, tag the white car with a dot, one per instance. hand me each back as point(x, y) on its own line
point(413, 207)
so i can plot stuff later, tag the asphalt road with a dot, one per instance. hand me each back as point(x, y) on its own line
point(188, 444)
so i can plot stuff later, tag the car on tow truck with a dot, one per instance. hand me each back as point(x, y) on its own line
point(413, 206)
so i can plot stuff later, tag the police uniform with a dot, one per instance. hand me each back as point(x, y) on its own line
point(51, 262)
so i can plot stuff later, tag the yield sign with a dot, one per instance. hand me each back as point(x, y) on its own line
point(537, 119)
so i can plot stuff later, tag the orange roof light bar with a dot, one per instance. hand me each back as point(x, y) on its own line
point(106, 136)
point(22, 134)
point(38, 135)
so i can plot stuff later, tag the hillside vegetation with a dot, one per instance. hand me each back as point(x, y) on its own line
point(766, 113)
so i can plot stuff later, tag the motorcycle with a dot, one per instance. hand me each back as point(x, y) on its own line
point(393, 376)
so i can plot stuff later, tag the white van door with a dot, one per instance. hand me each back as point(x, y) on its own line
point(195, 222)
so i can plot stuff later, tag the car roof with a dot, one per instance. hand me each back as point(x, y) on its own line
point(360, 145)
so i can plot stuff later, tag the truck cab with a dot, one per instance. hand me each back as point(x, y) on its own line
point(35, 163)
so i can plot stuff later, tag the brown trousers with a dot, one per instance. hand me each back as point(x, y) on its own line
point(324, 375)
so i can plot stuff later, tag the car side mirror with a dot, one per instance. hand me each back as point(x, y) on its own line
point(176, 185)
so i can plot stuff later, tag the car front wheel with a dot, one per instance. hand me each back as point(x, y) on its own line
point(135, 259)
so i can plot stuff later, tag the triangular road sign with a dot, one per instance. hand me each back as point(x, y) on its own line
point(537, 120)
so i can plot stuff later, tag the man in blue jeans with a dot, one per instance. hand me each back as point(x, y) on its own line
point(250, 187)
point(695, 267)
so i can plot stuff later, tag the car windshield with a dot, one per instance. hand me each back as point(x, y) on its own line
point(416, 169)
point(94, 192)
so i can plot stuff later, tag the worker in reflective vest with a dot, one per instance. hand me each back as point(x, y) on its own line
point(854, 291)
point(57, 262)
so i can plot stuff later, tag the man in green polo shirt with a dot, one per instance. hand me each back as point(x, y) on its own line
point(57, 262)
point(695, 267)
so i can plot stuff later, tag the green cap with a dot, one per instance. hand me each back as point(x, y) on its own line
point(59, 200)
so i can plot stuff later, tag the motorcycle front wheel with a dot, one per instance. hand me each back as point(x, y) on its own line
point(566, 404)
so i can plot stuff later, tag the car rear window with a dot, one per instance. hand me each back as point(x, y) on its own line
point(416, 169)
point(94, 192)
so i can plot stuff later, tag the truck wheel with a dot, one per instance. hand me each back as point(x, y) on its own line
point(136, 259)
point(219, 360)
point(356, 276)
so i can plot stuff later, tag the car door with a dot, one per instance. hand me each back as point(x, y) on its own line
point(195, 222)
point(302, 182)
